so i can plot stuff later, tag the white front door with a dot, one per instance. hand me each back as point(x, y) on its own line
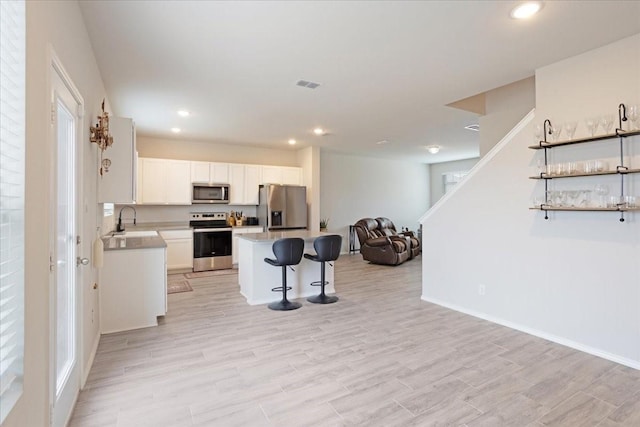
point(66, 271)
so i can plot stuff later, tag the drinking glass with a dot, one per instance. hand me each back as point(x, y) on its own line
point(613, 201)
point(602, 191)
point(585, 199)
point(633, 114)
point(538, 131)
point(592, 125)
point(607, 123)
point(556, 130)
point(570, 129)
point(629, 201)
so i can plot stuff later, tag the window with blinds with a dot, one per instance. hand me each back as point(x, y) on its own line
point(12, 188)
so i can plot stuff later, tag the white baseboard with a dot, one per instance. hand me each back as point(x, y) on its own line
point(535, 332)
point(92, 355)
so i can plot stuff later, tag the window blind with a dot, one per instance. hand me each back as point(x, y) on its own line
point(12, 188)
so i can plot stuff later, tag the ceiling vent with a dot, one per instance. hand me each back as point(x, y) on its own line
point(475, 128)
point(310, 85)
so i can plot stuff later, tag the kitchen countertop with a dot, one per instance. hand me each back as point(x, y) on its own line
point(116, 243)
point(272, 236)
point(159, 226)
point(162, 226)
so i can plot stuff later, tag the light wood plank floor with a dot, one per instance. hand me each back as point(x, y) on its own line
point(378, 357)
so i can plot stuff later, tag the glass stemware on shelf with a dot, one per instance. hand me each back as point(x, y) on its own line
point(556, 131)
point(592, 125)
point(607, 123)
point(538, 132)
point(601, 190)
point(570, 129)
point(633, 114)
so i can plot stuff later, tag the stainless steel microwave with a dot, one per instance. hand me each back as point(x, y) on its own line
point(204, 192)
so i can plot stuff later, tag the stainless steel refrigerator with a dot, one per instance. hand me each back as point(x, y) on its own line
point(283, 207)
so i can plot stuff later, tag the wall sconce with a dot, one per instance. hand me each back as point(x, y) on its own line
point(100, 135)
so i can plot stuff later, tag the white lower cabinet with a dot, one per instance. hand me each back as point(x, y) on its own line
point(234, 239)
point(179, 248)
point(133, 289)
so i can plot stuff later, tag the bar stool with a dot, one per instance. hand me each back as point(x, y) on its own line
point(327, 249)
point(288, 252)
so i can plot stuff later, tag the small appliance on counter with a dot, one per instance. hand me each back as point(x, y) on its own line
point(211, 241)
point(283, 207)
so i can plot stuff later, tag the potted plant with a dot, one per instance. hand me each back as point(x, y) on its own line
point(323, 224)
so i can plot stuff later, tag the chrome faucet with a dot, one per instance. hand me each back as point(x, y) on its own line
point(135, 214)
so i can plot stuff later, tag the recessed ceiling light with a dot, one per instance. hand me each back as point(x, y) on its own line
point(474, 127)
point(433, 149)
point(526, 10)
point(292, 142)
point(318, 131)
point(384, 141)
point(183, 113)
point(175, 130)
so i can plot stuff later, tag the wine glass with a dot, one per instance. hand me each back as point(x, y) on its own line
point(538, 132)
point(633, 114)
point(607, 123)
point(570, 128)
point(602, 191)
point(556, 130)
point(592, 125)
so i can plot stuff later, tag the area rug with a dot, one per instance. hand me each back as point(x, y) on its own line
point(178, 286)
point(210, 273)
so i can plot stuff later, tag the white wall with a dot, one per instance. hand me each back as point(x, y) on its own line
point(359, 187)
point(59, 24)
point(309, 161)
point(504, 107)
point(436, 170)
point(572, 279)
point(214, 152)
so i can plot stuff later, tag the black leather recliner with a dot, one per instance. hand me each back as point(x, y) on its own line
point(378, 248)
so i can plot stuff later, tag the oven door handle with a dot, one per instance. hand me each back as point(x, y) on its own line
point(210, 230)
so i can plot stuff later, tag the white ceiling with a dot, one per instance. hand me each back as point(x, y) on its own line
point(387, 69)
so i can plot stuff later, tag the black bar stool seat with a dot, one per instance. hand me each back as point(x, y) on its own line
point(327, 250)
point(288, 252)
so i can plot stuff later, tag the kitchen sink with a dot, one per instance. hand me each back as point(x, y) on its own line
point(150, 233)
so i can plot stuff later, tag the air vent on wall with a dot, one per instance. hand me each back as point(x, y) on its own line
point(310, 85)
point(475, 128)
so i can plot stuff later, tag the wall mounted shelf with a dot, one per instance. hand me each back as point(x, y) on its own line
point(590, 209)
point(574, 175)
point(620, 170)
point(619, 134)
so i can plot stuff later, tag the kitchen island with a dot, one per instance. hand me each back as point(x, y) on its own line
point(257, 278)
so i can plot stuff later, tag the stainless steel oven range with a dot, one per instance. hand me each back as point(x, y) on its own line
point(211, 241)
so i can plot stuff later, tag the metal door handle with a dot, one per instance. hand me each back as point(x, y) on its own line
point(83, 261)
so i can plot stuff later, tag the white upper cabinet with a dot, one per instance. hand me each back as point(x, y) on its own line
point(281, 175)
point(169, 182)
point(164, 182)
point(271, 175)
point(199, 171)
point(118, 185)
point(219, 173)
point(178, 182)
point(291, 176)
point(244, 181)
point(210, 172)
